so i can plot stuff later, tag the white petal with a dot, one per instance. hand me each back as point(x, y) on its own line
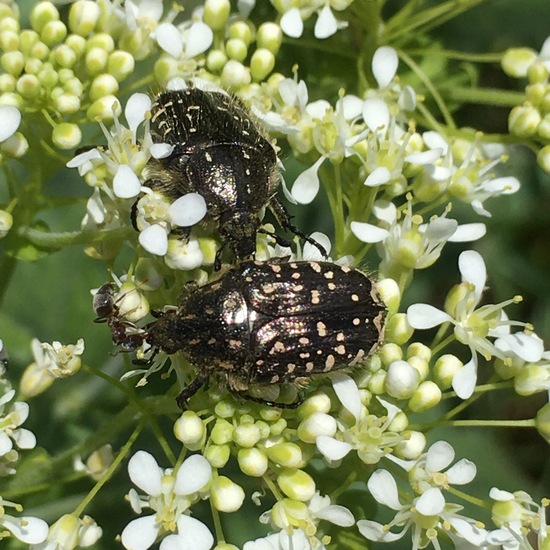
point(161, 150)
point(126, 184)
point(374, 531)
point(306, 185)
point(423, 316)
point(6, 444)
point(368, 233)
point(464, 381)
point(352, 106)
point(383, 489)
point(192, 535)
point(379, 176)
point(468, 232)
point(500, 494)
point(11, 119)
point(136, 108)
point(470, 532)
point(154, 239)
point(326, 24)
point(439, 456)
point(504, 186)
point(199, 39)
point(151, 9)
point(437, 173)
point(385, 211)
point(384, 65)
point(311, 252)
point(425, 157)
point(431, 502)
point(376, 114)
point(462, 472)
point(21, 409)
point(407, 99)
point(188, 210)
point(24, 439)
point(479, 209)
point(332, 449)
point(318, 109)
point(145, 473)
point(528, 347)
point(193, 475)
point(339, 515)
point(472, 269)
point(348, 393)
point(27, 529)
point(292, 24)
point(169, 39)
point(83, 158)
point(435, 140)
point(440, 229)
point(140, 533)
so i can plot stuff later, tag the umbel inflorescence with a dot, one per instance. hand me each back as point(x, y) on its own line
point(302, 375)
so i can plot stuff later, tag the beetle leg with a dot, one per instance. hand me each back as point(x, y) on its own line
point(191, 389)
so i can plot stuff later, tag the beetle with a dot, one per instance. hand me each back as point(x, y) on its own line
point(221, 152)
point(271, 322)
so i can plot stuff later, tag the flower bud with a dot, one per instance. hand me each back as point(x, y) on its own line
point(397, 328)
point(15, 146)
point(426, 396)
point(516, 61)
point(296, 484)
point(523, 121)
point(543, 129)
point(9, 41)
point(132, 304)
point(67, 135)
point(252, 462)
point(315, 425)
point(390, 294)
point(542, 422)
point(120, 64)
point(225, 495)
point(240, 30)
point(103, 85)
point(401, 380)
point(277, 428)
point(225, 409)
point(13, 63)
point(389, 353)
point(7, 83)
point(445, 369)
point(6, 223)
point(28, 86)
point(184, 255)
point(421, 365)
point(417, 349)
point(530, 379)
point(412, 445)
point(235, 75)
point(189, 429)
point(41, 14)
point(216, 13)
point(286, 454)
point(261, 64)
point(216, 60)
point(543, 158)
point(83, 17)
point(96, 60)
point(236, 49)
point(246, 435)
point(222, 432)
point(269, 36)
point(318, 402)
point(287, 512)
point(218, 455)
point(102, 109)
point(53, 33)
point(34, 381)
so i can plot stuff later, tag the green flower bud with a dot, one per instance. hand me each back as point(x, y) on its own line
point(67, 104)
point(216, 13)
point(261, 64)
point(13, 63)
point(8, 22)
point(270, 36)
point(222, 432)
point(545, 103)
point(445, 369)
point(537, 72)
point(132, 304)
point(421, 365)
point(236, 49)
point(286, 454)
point(33, 66)
point(102, 85)
point(121, 65)
point(426, 396)
point(28, 86)
point(530, 379)
point(73, 86)
point(208, 248)
point(399, 423)
point(411, 446)
point(102, 109)
point(235, 75)
point(505, 511)
point(318, 402)
point(166, 67)
point(523, 121)
point(278, 427)
point(77, 44)
point(315, 425)
point(543, 158)
point(27, 39)
point(225, 495)
point(401, 380)
point(389, 353)
point(67, 136)
point(101, 40)
point(534, 93)
point(34, 381)
point(240, 30)
point(516, 61)
point(417, 349)
point(390, 294)
point(53, 33)
point(270, 414)
point(225, 546)
point(246, 435)
point(6, 223)
point(41, 14)
point(252, 462)
point(96, 60)
point(216, 60)
point(9, 41)
point(398, 330)
point(189, 429)
point(296, 484)
point(7, 83)
point(543, 129)
point(64, 56)
point(264, 428)
point(377, 382)
point(224, 409)
point(148, 274)
point(287, 512)
point(83, 17)
point(40, 51)
point(542, 422)
point(217, 455)
point(15, 146)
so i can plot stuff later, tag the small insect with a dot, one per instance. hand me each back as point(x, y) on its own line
point(267, 323)
point(221, 153)
point(106, 309)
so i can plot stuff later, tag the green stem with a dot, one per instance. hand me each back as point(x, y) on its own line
point(487, 96)
point(218, 529)
point(529, 423)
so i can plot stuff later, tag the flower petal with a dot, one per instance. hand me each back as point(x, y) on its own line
point(291, 23)
point(383, 489)
point(379, 176)
point(462, 472)
point(439, 456)
point(192, 535)
point(126, 184)
point(376, 114)
point(11, 119)
point(332, 449)
point(431, 502)
point(188, 210)
point(161, 150)
point(136, 109)
point(348, 393)
point(140, 533)
point(145, 473)
point(306, 185)
point(423, 316)
point(27, 529)
point(377, 532)
point(384, 65)
point(464, 381)
point(154, 239)
point(326, 24)
point(468, 232)
point(368, 233)
point(339, 515)
point(193, 475)
point(169, 39)
point(472, 269)
point(199, 39)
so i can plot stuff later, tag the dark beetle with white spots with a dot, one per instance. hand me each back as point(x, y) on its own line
point(271, 322)
point(221, 153)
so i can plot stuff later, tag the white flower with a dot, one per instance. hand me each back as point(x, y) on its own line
point(27, 529)
point(190, 39)
point(473, 325)
point(170, 497)
point(11, 119)
point(70, 532)
point(11, 417)
point(282, 540)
